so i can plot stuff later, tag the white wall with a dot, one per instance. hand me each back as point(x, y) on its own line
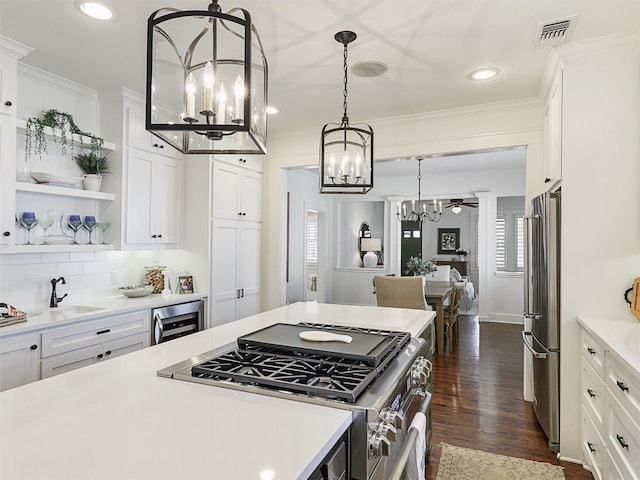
point(600, 198)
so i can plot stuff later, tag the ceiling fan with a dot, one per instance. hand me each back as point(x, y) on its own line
point(456, 204)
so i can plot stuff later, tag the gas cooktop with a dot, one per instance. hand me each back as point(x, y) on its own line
point(276, 358)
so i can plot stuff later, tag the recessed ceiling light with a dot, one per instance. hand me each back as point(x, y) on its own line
point(484, 73)
point(369, 69)
point(272, 110)
point(95, 10)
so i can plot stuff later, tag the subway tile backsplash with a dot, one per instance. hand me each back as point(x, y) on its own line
point(25, 278)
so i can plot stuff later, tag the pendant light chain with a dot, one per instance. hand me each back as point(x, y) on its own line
point(345, 119)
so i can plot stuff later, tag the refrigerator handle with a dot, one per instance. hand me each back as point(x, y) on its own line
point(536, 354)
point(528, 265)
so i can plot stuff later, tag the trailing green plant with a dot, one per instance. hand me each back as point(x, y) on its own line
point(60, 123)
point(91, 163)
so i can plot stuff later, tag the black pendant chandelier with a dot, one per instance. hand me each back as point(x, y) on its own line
point(346, 152)
point(426, 212)
point(206, 81)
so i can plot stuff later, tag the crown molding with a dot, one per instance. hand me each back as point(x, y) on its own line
point(12, 48)
point(40, 76)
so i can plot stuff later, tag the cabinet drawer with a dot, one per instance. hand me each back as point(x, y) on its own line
point(612, 471)
point(623, 438)
point(593, 446)
point(593, 390)
point(65, 362)
point(623, 384)
point(86, 334)
point(593, 352)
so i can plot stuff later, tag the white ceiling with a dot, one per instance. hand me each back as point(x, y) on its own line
point(430, 47)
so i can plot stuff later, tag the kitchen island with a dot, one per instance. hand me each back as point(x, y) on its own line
point(119, 420)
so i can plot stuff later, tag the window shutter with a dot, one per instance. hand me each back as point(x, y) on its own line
point(312, 239)
point(520, 243)
point(501, 243)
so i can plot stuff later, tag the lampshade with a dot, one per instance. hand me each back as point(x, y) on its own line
point(371, 245)
point(206, 86)
point(456, 209)
point(346, 151)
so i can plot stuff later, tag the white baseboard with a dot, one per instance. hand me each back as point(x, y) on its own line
point(503, 318)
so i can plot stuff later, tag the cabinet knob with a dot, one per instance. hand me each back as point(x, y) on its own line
point(155, 145)
point(108, 352)
point(547, 180)
point(622, 386)
point(161, 146)
point(160, 236)
point(242, 160)
point(8, 103)
point(6, 234)
point(33, 347)
point(100, 355)
point(154, 236)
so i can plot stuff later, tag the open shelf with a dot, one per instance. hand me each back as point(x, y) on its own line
point(63, 191)
point(107, 147)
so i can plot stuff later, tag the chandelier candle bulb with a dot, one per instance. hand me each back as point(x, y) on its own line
point(440, 204)
point(238, 91)
point(190, 88)
point(208, 80)
point(222, 104)
point(358, 162)
point(332, 167)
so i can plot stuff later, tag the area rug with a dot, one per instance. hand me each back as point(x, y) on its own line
point(457, 463)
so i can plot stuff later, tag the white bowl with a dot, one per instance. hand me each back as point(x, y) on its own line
point(136, 291)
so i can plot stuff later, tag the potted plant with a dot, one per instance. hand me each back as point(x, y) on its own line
point(94, 167)
point(416, 266)
point(462, 253)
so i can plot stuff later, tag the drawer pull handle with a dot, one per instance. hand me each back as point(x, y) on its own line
point(590, 392)
point(622, 386)
point(622, 443)
point(591, 449)
point(591, 351)
point(100, 332)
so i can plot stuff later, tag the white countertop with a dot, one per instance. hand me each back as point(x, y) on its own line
point(118, 420)
point(620, 336)
point(40, 318)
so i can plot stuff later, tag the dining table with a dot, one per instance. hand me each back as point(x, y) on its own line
point(436, 293)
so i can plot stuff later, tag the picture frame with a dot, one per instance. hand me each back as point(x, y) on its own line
point(185, 283)
point(448, 240)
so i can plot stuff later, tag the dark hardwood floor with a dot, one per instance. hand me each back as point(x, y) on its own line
point(477, 398)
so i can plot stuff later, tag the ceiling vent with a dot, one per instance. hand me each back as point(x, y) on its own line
point(555, 32)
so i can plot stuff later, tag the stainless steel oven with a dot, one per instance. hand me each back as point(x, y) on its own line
point(383, 377)
point(175, 321)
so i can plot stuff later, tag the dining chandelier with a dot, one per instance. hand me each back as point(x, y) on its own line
point(422, 214)
point(346, 151)
point(206, 89)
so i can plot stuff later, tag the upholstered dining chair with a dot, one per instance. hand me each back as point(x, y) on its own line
point(400, 292)
point(452, 327)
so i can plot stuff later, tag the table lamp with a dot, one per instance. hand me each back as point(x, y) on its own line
point(371, 245)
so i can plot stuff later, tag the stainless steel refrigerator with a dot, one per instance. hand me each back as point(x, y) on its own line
point(542, 310)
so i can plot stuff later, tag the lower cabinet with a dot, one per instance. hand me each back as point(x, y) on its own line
point(610, 412)
point(19, 360)
point(66, 362)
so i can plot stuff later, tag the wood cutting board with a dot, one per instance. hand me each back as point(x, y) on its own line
point(635, 298)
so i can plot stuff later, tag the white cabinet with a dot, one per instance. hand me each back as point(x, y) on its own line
point(139, 137)
point(149, 177)
point(19, 360)
point(73, 346)
point(610, 412)
point(153, 198)
point(236, 257)
point(10, 52)
point(553, 136)
point(237, 192)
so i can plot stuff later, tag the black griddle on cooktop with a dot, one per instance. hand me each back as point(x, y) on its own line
point(371, 348)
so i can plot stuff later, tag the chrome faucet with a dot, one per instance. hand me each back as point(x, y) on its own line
point(54, 296)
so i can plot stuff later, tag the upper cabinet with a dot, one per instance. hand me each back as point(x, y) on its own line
point(237, 189)
point(150, 176)
point(553, 135)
